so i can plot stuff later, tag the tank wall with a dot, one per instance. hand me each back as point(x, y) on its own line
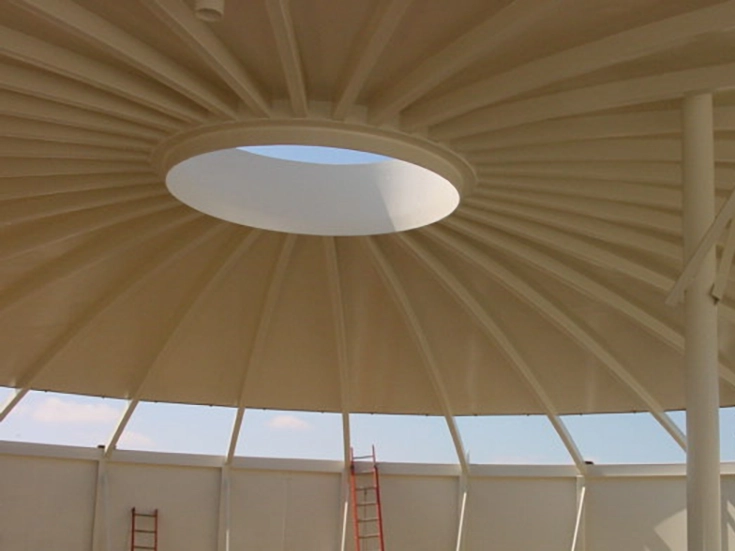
point(49, 496)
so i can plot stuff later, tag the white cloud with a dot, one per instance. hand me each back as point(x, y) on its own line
point(288, 422)
point(132, 439)
point(56, 410)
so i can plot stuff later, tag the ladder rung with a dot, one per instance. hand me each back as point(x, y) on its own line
point(366, 488)
point(368, 536)
point(371, 519)
point(143, 547)
point(366, 503)
point(151, 515)
point(145, 531)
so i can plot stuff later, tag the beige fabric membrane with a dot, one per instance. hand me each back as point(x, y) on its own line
point(556, 125)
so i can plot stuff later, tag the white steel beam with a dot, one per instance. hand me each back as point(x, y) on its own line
point(575, 224)
point(224, 513)
point(46, 230)
point(234, 435)
point(557, 314)
point(627, 215)
point(493, 331)
point(12, 401)
point(24, 129)
point(253, 362)
point(40, 85)
point(344, 507)
point(570, 244)
point(218, 268)
point(584, 59)
point(700, 327)
point(288, 49)
point(207, 281)
point(202, 40)
point(100, 529)
point(512, 20)
point(369, 45)
point(666, 174)
point(461, 523)
point(395, 288)
point(31, 108)
point(723, 272)
point(586, 100)
point(335, 289)
point(704, 248)
point(112, 39)
point(51, 57)
point(590, 127)
point(583, 283)
point(111, 445)
point(80, 325)
point(578, 535)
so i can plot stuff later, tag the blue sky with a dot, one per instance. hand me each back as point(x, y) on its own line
point(77, 420)
point(315, 154)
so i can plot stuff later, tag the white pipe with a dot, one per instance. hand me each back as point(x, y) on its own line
point(345, 490)
point(209, 10)
point(99, 525)
point(578, 520)
point(225, 519)
point(701, 348)
point(461, 526)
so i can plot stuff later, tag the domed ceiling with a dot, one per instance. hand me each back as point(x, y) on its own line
point(543, 292)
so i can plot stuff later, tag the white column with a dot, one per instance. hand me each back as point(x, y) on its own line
point(99, 525)
point(701, 350)
point(225, 518)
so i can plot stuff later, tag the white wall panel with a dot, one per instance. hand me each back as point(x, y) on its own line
point(47, 496)
point(420, 512)
point(510, 514)
point(284, 510)
point(46, 504)
point(637, 513)
point(187, 500)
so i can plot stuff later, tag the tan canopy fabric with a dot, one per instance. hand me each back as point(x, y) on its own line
point(542, 293)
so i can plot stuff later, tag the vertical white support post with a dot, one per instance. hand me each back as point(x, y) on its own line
point(344, 509)
point(701, 349)
point(346, 472)
point(462, 525)
point(578, 536)
point(99, 524)
point(223, 539)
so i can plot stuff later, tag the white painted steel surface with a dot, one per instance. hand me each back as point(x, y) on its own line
point(296, 504)
point(541, 293)
point(700, 319)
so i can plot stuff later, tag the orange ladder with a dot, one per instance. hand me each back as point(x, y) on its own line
point(144, 531)
point(366, 511)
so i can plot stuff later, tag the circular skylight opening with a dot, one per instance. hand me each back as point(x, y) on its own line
point(356, 193)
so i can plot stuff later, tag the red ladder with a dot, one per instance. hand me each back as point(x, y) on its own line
point(366, 511)
point(145, 529)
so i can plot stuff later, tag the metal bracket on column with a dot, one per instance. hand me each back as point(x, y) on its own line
point(676, 295)
point(723, 271)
